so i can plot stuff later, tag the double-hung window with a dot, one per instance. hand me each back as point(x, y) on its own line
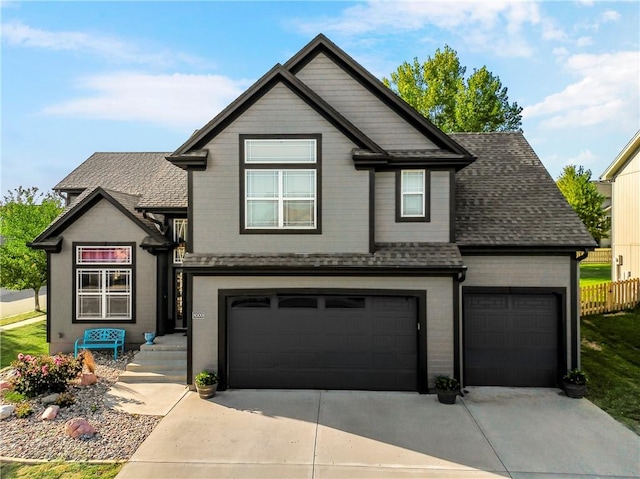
point(413, 195)
point(104, 282)
point(280, 183)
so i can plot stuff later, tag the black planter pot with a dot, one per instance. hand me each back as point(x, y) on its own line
point(576, 391)
point(446, 396)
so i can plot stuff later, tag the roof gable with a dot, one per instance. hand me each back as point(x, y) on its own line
point(321, 44)
point(124, 202)
point(624, 157)
point(277, 75)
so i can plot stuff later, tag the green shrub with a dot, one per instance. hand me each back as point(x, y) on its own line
point(38, 374)
point(65, 399)
point(24, 410)
point(447, 383)
point(14, 397)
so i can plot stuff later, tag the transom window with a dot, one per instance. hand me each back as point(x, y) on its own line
point(280, 183)
point(104, 283)
point(413, 188)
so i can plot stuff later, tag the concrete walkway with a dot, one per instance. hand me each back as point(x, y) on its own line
point(19, 324)
point(492, 432)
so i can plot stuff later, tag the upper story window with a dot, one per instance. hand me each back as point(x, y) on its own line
point(280, 183)
point(179, 237)
point(412, 195)
point(104, 283)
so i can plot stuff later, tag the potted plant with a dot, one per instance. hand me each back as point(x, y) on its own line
point(206, 384)
point(575, 383)
point(447, 389)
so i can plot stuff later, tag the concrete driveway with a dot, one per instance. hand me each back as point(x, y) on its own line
point(492, 432)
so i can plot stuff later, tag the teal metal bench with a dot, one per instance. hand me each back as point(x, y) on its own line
point(101, 338)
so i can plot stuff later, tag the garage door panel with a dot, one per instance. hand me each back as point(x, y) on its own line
point(325, 348)
point(511, 339)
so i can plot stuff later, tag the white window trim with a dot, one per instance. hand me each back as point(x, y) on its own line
point(249, 161)
point(403, 193)
point(80, 249)
point(280, 199)
point(103, 293)
point(179, 231)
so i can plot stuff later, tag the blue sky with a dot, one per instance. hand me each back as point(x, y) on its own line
point(79, 77)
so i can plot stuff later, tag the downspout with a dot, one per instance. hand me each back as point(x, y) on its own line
point(457, 323)
point(584, 254)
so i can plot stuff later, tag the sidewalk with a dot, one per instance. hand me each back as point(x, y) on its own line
point(23, 323)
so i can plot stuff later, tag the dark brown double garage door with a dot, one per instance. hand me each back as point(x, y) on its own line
point(511, 338)
point(322, 342)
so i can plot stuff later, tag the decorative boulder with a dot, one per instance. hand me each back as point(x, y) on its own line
point(79, 427)
point(50, 399)
point(87, 379)
point(50, 413)
point(5, 385)
point(6, 411)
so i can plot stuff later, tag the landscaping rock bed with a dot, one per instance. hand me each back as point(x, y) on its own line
point(118, 434)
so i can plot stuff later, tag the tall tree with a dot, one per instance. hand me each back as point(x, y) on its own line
point(437, 88)
point(576, 186)
point(24, 214)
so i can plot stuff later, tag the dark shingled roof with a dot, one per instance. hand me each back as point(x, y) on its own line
point(507, 197)
point(126, 201)
point(149, 175)
point(387, 255)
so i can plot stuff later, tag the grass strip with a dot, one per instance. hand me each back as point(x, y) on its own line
point(594, 274)
point(611, 359)
point(29, 339)
point(59, 470)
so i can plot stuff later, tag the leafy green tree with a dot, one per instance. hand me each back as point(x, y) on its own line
point(576, 186)
point(437, 88)
point(24, 214)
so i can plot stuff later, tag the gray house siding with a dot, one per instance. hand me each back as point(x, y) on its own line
point(524, 272)
point(103, 222)
point(439, 314)
point(434, 231)
point(360, 106)
point(343, 206)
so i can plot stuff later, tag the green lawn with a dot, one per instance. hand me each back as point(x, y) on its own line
point(594, 274)
point(21, 317)
point(59, 470)
point(30, 339)
point(611, 359)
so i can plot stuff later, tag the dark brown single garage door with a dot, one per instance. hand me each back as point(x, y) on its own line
point(322, 342)
point(511, 339)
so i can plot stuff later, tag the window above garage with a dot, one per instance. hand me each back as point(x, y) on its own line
point(280, 183)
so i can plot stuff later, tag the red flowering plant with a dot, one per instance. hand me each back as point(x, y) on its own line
point(35, 375)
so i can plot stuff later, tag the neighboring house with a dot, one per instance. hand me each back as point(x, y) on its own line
point(624, 175)
point(604, 188)
point(335, 238)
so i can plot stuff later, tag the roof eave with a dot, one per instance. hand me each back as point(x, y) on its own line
point(616, 165)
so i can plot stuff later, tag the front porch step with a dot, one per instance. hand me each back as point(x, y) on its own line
point(164, 361)
point(159, 376)
point(157, 364)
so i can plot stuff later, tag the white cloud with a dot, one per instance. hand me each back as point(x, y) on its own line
point(584, 42)
point(18, 34)
point(178, 100)
point(607, 91)
point(610, 16)
point(480, 24)
point(584, 158)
